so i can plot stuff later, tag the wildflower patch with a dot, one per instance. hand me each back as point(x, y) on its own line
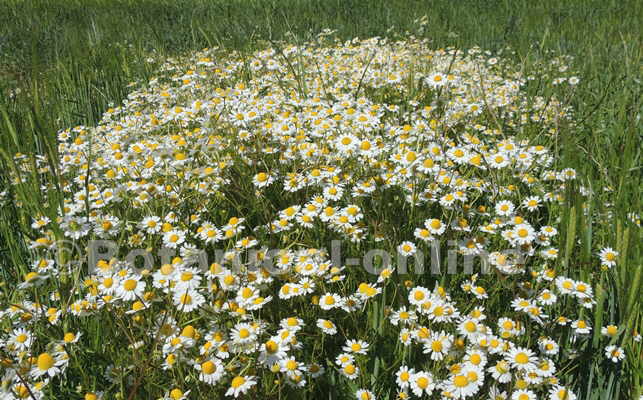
point(375, 144)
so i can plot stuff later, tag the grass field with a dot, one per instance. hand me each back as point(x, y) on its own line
point(64, 63)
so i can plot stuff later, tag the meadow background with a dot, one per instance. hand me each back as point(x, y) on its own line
point(62, 63)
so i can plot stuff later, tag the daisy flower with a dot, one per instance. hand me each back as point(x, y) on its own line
point(608, 256)
point(435, 226)
point(20, 340)
point(71, 337)
point(520, 304)
point(565, 285)
point(422, 383)
point(609, 330)
point(436, 80)
point(423, 234)
point(356, 346)
point(350, 371)
point(548, 231)
point(40, 222)
point(418, 295)
point(582, 290)
point(531, 203)
point(243, 333)
point(240, 385)
point(614, 353)
point(522, 394)
point(403, 316)
point(344, 359)
point(475, 357)
point(501, 371)
point(210, 371)
point(548, 347)
point(438, 345)
point(329, 301)
point(346, 143)
point(364, 394)
point(334, 193)
point(315, 370)
point(75, 227)
point(567, 174)
point(581, 327)
point(406, 249)
point(262, 180)
point(272, 351)
point(130, 288)
point(550, 253)
point(524, 234)
point(403, 376)
point(93, 396)
point(327, 327)
point(46, 365)
point(176, 394)
point(209, 233)
point(498, 160)
point(465, 382)
point(293, 324)
point(521, 359)
point(496, 394)
point(469, 328)
point(458, 154)
point(173, 238)
point(188, 300)
point(187, 279)
point(504, 208)
point(291, 367)
point(558, 392)
point(23, 392)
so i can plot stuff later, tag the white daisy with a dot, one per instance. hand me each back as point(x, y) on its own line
point(210, 371)
point(356, 346)
point(240, 385)
point(614, 353)
point(130, 288)
point(422, 383)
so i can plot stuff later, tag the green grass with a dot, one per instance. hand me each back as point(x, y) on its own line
point(62, 63)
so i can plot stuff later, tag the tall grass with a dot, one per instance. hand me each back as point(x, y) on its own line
point(62, 63)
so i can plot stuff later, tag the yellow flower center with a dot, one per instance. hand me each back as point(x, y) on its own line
point(130, 285)
point(271, 346)
point(470, 326)
point(422, 382)
point(208, 367)
point(521, 358)
point(460, 381)
point(45, 362)
point(237, 381)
